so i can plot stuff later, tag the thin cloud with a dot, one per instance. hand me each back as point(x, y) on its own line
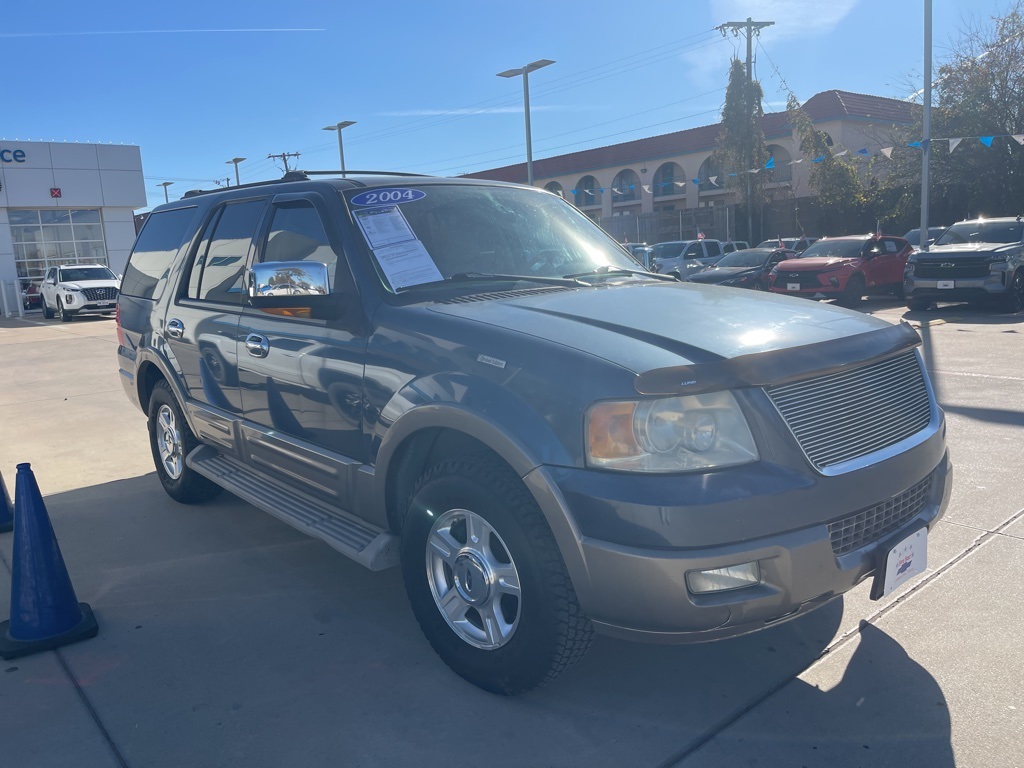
point(487, 111)
point(156, 32)
point(793, 18)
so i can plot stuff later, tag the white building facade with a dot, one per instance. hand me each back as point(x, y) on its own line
point(63, 203)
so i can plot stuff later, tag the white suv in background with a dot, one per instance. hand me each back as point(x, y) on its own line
point(79, 289)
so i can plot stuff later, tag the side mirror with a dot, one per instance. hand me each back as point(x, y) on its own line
point(292, 289)
point(287, 278)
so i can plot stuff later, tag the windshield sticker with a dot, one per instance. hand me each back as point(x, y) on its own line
point(890, 246)
point(406, 264)
point(387, 196)
point(384, 226)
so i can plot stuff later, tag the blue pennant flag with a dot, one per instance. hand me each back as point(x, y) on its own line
point(863, 152)
point(914, 144)
point(986, 140)
point(770, 163)
point(696, 181)
point(818, 159)
point(732, 174)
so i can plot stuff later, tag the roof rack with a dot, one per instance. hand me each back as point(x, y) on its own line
point(299, 176)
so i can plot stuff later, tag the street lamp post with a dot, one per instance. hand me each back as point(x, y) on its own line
point(236, 161)
point(525, 72)
point(165, 185)
point(341, 151)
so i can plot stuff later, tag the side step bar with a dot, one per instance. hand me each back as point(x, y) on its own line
point(368, 545)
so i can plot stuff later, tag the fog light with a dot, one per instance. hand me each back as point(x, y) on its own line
point(724, 579)
point(69, 299)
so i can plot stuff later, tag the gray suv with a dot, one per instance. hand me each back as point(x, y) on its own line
point(979, 261)
point(472, 381)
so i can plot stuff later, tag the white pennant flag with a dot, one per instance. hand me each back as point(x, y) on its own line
point(1019, 138)
point(954, 143)
point(887, 151)
point(754, 170)
point(679, 183)
point(794, 162)
point(713, 180)
point(840, 154)
point(646, 188)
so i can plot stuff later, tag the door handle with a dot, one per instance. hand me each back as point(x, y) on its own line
point(257, 345)
point(175, 329)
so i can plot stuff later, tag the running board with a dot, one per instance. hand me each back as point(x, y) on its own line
point(368, 545)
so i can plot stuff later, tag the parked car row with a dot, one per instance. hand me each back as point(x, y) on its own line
point(977, 261)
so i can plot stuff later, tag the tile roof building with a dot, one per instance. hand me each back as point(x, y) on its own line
point(658, 174)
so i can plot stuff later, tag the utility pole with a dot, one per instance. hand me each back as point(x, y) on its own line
point(750, 28)
point(283, 157)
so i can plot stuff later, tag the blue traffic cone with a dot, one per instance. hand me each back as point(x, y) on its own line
point(6, 510)
point(45, 613)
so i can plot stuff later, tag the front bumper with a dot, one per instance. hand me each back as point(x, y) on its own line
point(991, 286)
point(641, 593)
point(77, 304)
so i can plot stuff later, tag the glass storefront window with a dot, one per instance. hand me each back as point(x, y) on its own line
point(45, 238)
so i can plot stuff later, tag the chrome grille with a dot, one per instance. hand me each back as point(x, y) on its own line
point(100, 294)
point(869, 525)
point(846, 415)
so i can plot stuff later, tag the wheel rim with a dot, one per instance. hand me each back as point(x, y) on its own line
point(1018, 293)
point(473, 579)
point(60, 308)
point(168, 441)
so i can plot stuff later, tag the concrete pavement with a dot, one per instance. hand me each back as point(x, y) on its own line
point(228, 639)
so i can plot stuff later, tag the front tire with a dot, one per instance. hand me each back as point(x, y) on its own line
point(485, 578)
point(171, 441)
point(853, 292)
point(65, 316)
point(1014, 301)
point(47, 312)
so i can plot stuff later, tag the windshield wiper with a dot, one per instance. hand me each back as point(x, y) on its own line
point(606, 270)
point(472, 277)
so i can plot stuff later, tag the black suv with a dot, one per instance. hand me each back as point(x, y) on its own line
point(473, 381)
point(979, 260)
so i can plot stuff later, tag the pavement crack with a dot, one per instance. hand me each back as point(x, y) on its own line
point(91, 710)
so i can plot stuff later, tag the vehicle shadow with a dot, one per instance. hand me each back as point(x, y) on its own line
point(226, 637)
point(965, 314)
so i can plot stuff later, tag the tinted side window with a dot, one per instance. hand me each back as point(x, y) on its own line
point(162, 235)
point(217, 272)
point(297, 234)
point(713, 248)
point(694, 250)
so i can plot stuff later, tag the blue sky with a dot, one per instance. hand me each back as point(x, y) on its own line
point(196, 84)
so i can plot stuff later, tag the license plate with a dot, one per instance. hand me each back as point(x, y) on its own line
point(104, 303)
point(792, 286)
point(906, 560)
point(946, 284)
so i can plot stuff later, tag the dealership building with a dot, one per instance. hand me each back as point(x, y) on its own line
point(63, 203)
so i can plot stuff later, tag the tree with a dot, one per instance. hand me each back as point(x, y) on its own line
point(741, 146)
point(978, 92)
point(834, 180)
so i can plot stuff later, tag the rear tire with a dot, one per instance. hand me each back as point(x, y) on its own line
point(918, 305)
point(486, 581)
point(171, 441)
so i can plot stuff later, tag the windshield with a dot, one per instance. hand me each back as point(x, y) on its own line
point(80, 274)
point(668, 250)
point(424, 234)
point(845, 249)
point(982, 232)
point(751, 258)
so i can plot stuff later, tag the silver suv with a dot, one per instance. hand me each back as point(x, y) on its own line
point(681, 257)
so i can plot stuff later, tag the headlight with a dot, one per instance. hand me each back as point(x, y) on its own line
point(908, 268)
point(672, 434)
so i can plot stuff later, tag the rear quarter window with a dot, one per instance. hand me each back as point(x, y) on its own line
point(154, 251)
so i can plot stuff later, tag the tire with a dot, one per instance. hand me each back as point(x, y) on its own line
point(1014, 301)
point(47, 312)
point(853, 292)
point(510, 571)
point(171, 441)
point(918, 305)
point(65, 316)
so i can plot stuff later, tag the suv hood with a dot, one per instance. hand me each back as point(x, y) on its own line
point(815, 263)
point(647, 326)
point(967, 249)
point(80, 284)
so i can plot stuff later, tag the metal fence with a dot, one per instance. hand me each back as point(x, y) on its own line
point(718, 223)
